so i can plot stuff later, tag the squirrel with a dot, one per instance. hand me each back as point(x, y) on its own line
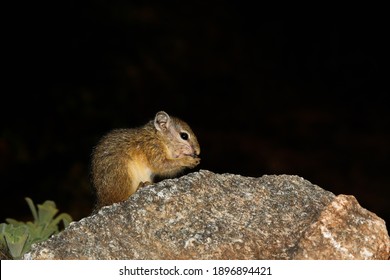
point(126, 159)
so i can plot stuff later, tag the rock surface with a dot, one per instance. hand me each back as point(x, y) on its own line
point(212, 216)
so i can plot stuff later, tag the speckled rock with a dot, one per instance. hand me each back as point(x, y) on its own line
point(345, 230)
point(212, 216)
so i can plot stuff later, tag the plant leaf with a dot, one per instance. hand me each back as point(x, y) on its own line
point(46, 212)
point(16, 239)
point(32, 208)
point(64, 217)
point(2, 237)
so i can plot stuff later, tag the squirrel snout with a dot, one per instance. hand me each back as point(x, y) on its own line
point(195, 155)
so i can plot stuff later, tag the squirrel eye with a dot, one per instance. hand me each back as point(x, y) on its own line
point(184, 135)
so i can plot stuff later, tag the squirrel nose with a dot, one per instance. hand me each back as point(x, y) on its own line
point(196, 153)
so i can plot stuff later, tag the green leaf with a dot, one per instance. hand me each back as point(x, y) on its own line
point(2, 237)
point(13, 222)
point(32, 208)
point(18, 236)
point(65, 218)
point(46, 212)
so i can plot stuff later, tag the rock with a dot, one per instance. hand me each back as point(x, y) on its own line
point(212, 216)
point(345, 230)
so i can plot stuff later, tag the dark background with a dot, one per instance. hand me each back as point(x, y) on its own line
point(293, 95)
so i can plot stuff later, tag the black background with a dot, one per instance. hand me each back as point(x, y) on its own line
point(294, 95)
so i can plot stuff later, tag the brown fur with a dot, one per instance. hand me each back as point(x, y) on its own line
point(126, 159)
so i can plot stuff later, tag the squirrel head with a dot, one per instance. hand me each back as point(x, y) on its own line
point(179, 138)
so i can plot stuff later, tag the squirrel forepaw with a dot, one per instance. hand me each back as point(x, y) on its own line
point(143, 184)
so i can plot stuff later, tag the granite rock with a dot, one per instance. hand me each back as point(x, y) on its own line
point(204, 215)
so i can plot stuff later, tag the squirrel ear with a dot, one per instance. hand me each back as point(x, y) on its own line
point(162, 121)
